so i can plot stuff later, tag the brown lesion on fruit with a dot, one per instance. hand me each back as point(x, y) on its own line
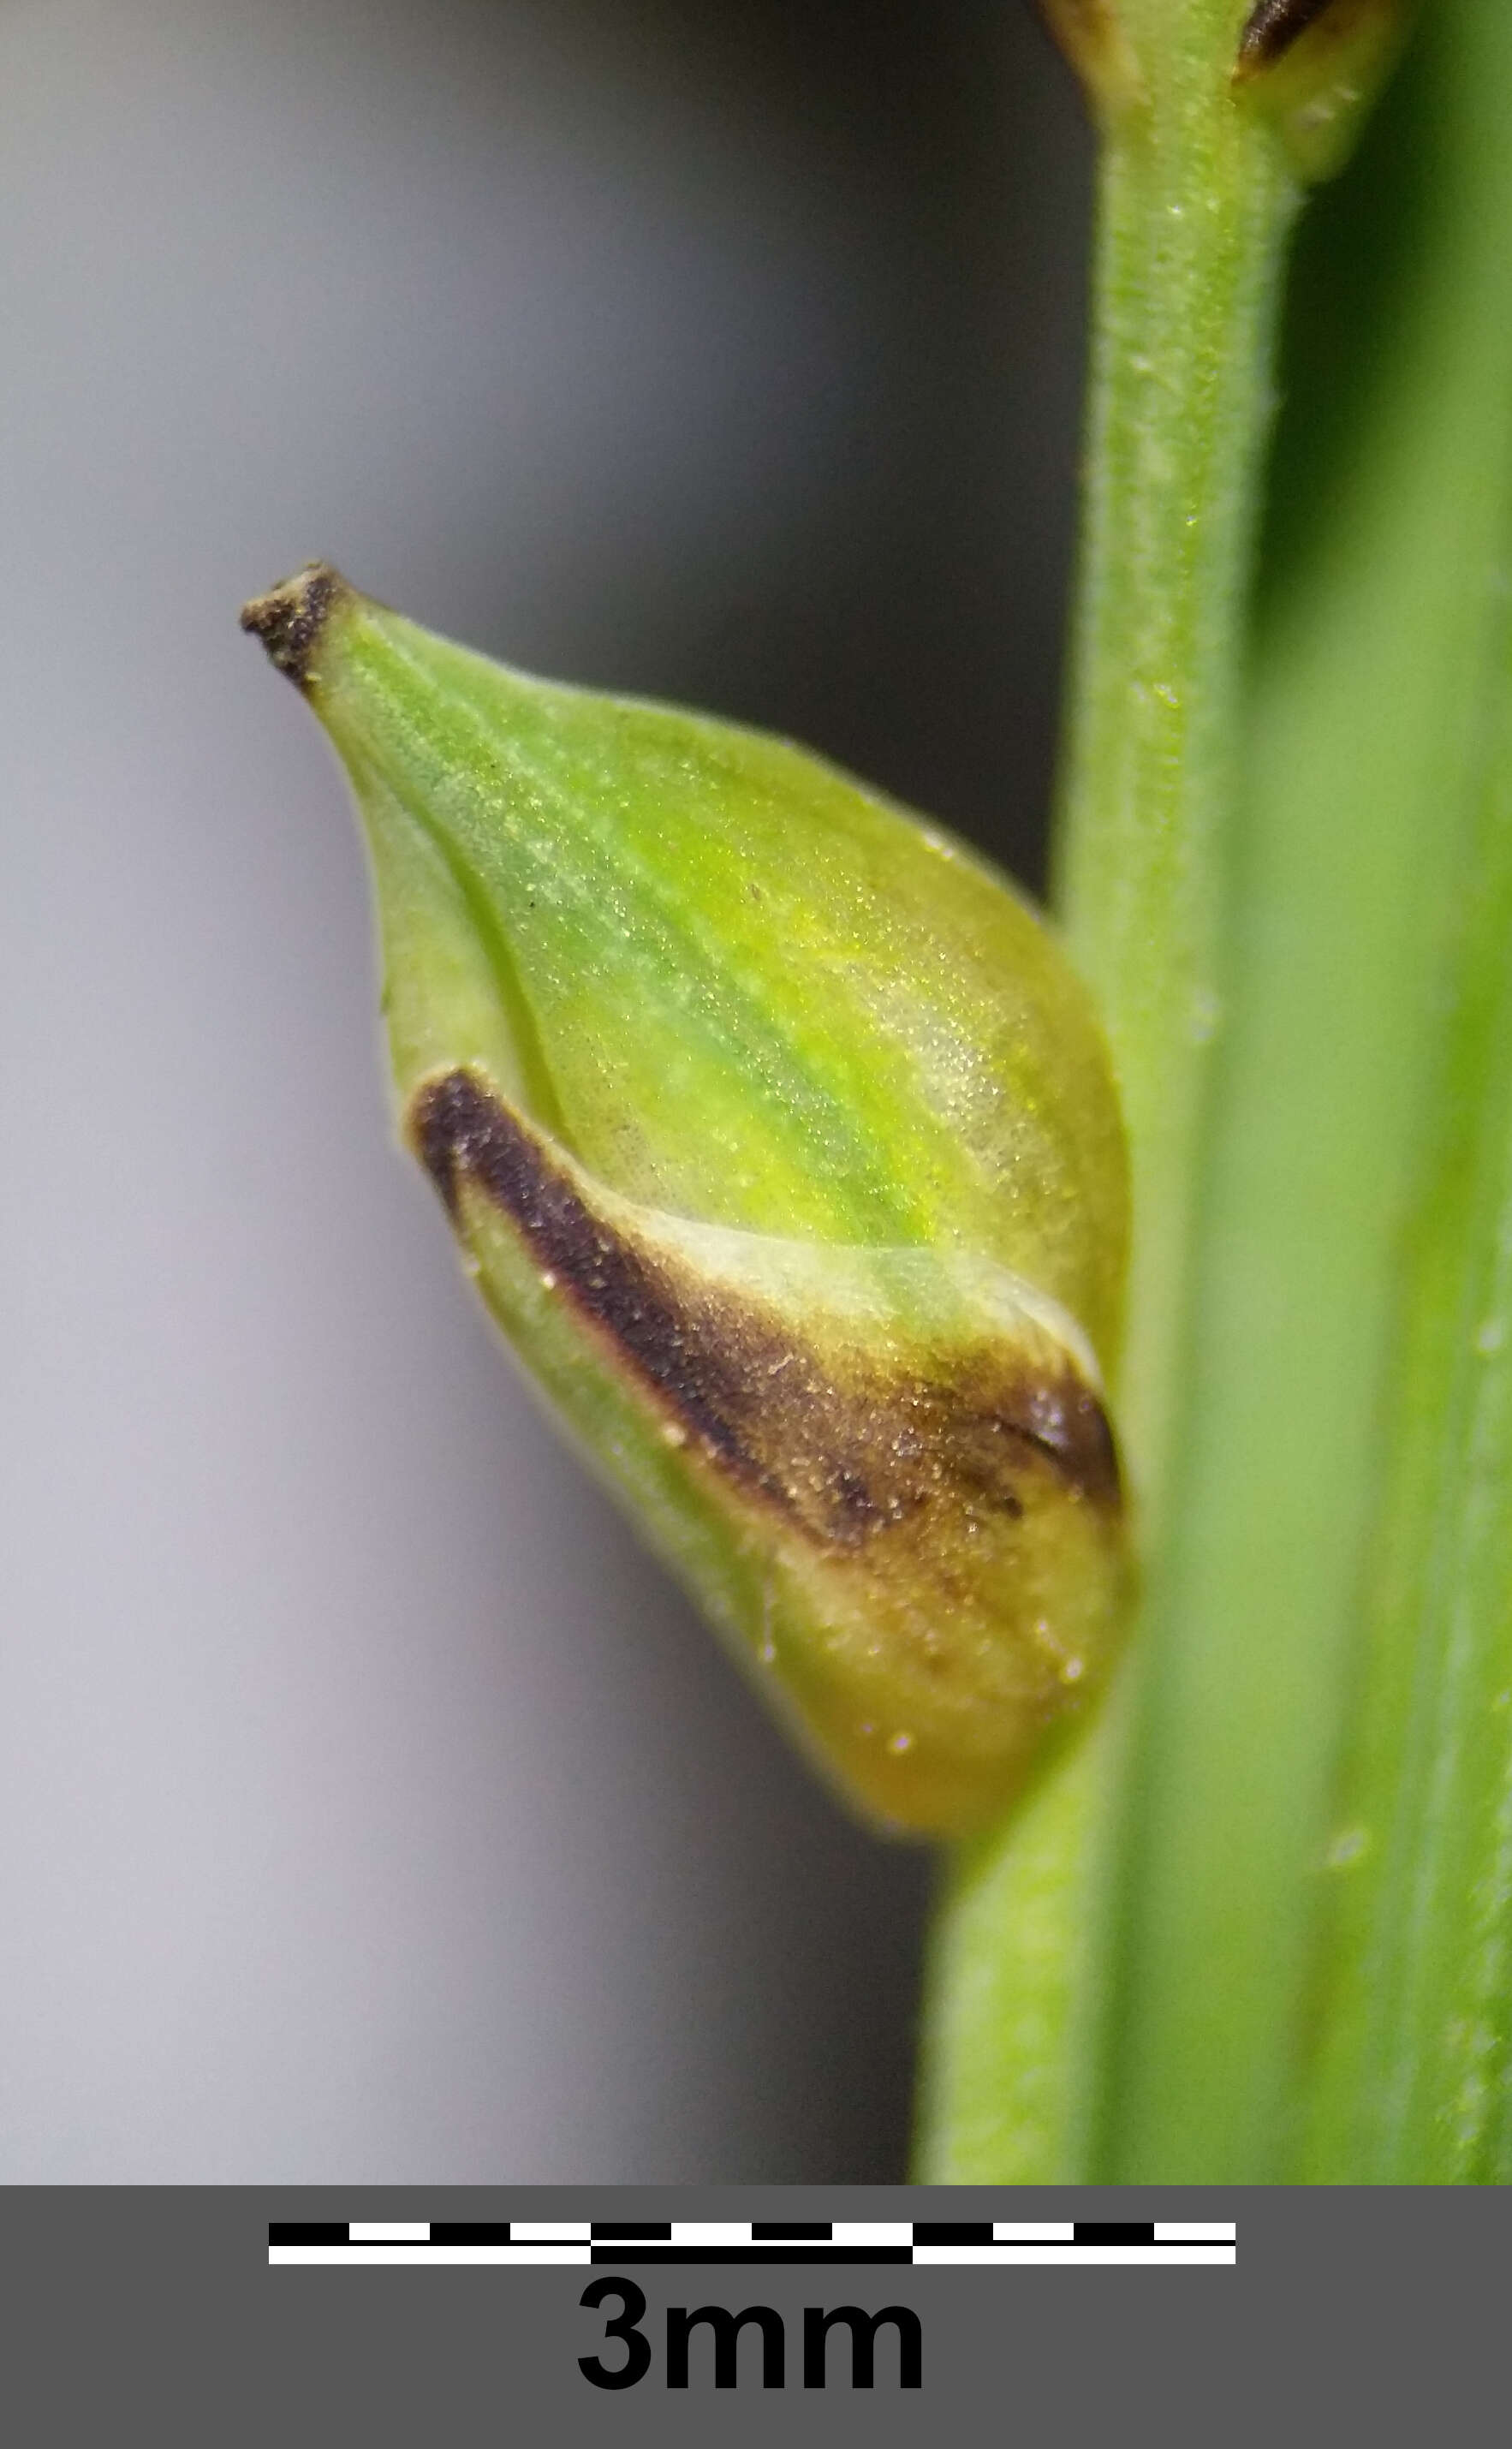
point(846, 1446)
point(1091, 34)
point(289, 618)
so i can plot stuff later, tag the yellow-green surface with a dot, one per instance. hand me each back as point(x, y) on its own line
point(781, 1140)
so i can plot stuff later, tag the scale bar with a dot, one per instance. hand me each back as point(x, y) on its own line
point(622, 2243)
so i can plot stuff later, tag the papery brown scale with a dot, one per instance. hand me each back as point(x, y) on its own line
point(1091, 34)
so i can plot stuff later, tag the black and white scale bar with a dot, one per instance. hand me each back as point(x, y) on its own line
point(920, 2243)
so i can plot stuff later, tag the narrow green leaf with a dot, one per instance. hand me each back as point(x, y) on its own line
point(1413, 2075)
point(1370, 694)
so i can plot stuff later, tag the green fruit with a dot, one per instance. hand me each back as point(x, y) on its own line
point(782, 1141)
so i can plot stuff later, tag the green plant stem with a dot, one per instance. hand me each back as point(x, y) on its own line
point(1008, 1988)
point(1194, 209)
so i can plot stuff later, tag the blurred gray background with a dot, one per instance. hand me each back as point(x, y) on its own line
point(370, 1808)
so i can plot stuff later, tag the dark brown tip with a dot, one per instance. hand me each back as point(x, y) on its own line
point(289, 619)
point(1270, 29)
